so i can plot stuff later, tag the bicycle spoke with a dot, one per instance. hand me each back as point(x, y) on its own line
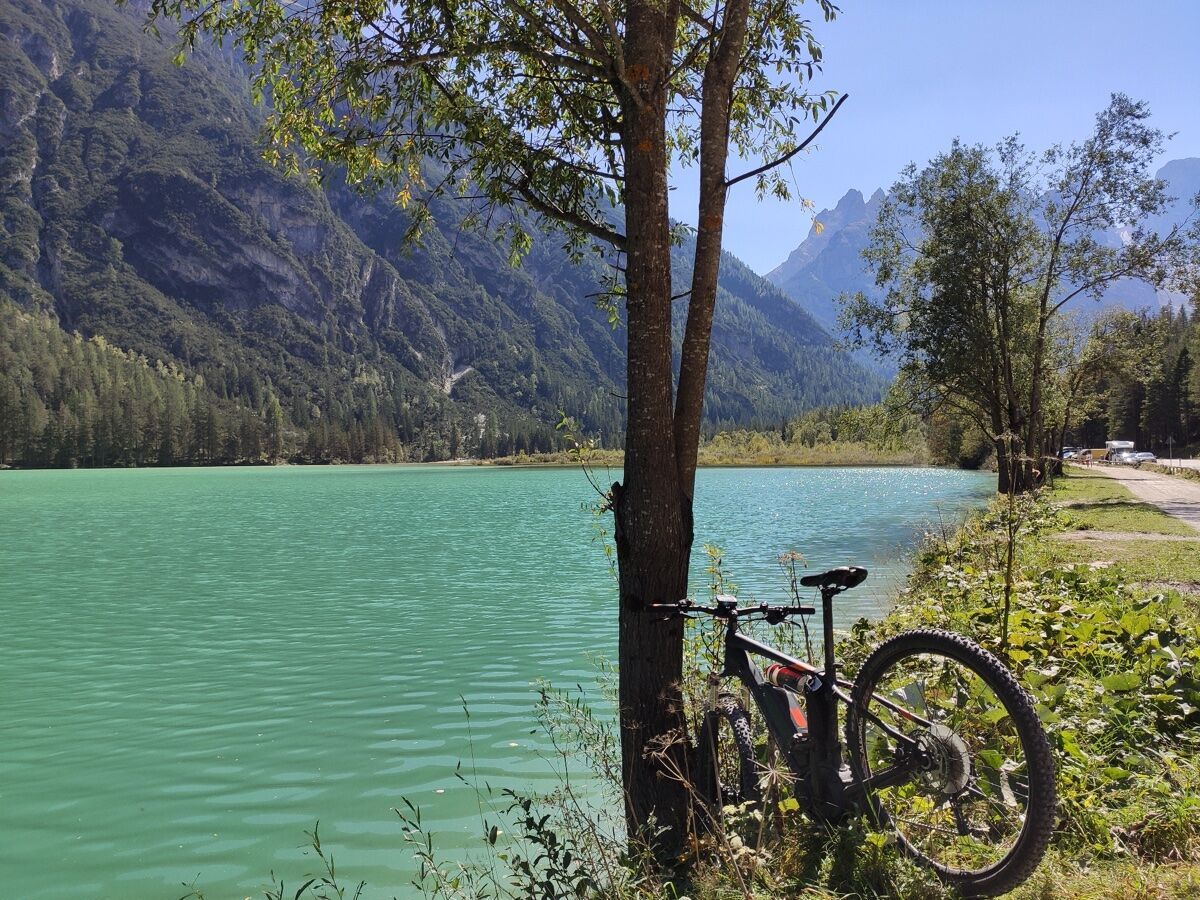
point(1006, 810)
point(927, 826)
point(963, 806)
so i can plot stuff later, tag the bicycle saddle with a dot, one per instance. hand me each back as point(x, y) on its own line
point(842, 578)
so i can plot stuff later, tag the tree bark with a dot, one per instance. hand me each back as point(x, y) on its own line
point(652, 512)
point(719, 76)
point(1035, 433)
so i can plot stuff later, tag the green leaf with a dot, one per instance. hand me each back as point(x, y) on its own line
point(994, 715)
point(991, 758)
point(1071, 747)
point(1122, 681)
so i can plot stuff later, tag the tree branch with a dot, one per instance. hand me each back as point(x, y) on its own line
point(781, 160)
point(553, 211)
point(693, 16)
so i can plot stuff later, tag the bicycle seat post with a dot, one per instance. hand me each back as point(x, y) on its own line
point(828, 592)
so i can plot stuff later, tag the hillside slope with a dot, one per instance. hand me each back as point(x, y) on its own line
point(134, 205)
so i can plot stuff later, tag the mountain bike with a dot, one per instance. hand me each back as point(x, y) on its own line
point(943, 747)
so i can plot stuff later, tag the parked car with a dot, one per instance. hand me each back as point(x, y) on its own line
point(1123, 457)
point(1071, 452)
point(1145, 457)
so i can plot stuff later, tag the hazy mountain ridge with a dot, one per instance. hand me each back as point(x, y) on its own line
point(134, 204)
point(829, 260)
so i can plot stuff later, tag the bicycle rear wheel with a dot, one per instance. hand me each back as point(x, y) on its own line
point(979, 808)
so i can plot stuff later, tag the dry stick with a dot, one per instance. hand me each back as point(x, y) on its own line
point(672, 771)
point(1011, 527)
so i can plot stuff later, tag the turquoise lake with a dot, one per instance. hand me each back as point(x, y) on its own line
point(198, 664)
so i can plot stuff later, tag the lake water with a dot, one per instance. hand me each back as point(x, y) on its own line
point(198, 664)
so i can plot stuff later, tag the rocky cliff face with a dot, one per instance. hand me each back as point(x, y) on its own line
point(134, 204)
point(829, 260)
point(1183, 183)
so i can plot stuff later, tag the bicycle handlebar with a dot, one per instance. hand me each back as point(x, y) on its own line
point(774, 614)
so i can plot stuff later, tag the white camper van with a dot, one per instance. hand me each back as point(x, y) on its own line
point(1119, 451)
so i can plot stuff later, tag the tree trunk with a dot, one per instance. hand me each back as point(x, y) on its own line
point(1023, 478)
point(1014, 469)
point(1054, 465)
point(1003, 469)
point(1035, 435)
point(653, 514)
point(719, 76)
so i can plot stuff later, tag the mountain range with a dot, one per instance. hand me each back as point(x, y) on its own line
point(829, 262)
point(135, 206)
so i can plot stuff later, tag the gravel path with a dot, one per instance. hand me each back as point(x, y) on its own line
point(1174, 496)
point(1096, 537)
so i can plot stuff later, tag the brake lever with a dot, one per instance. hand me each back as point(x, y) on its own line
point(777, 615)
point(678, 615)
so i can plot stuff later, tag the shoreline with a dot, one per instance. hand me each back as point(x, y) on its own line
point(611, 459)
point(500, 464)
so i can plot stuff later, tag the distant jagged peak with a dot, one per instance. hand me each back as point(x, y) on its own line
point(1183, 183)
point(852, 201)
point(853, 208)
point(1183, 179)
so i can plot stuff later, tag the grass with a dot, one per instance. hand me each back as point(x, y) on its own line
point(1125, 516)
point(1090, 501)
point(559, 458)
point(1129, 753)
point(1095, 501)
point(1087, 486)
point(1155, 562)
point(835, 453)
point(1117, 881)
point(1148, 568)
point(1185, 472)
point(1091, 627)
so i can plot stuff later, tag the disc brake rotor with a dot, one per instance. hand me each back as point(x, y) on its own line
point(949, 761)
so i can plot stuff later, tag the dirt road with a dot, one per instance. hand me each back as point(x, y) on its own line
point(1174, 496)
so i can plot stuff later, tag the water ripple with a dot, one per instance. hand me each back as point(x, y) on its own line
point(196, 665)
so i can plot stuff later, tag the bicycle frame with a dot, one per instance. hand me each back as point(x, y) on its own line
point(814, 749)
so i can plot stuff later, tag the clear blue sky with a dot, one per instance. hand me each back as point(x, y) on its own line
point(922, 72)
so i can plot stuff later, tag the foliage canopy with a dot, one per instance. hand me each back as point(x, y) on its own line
point(978, 253)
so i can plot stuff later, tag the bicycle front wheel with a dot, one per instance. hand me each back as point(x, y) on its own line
point(727, 771)
point(979, 807)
